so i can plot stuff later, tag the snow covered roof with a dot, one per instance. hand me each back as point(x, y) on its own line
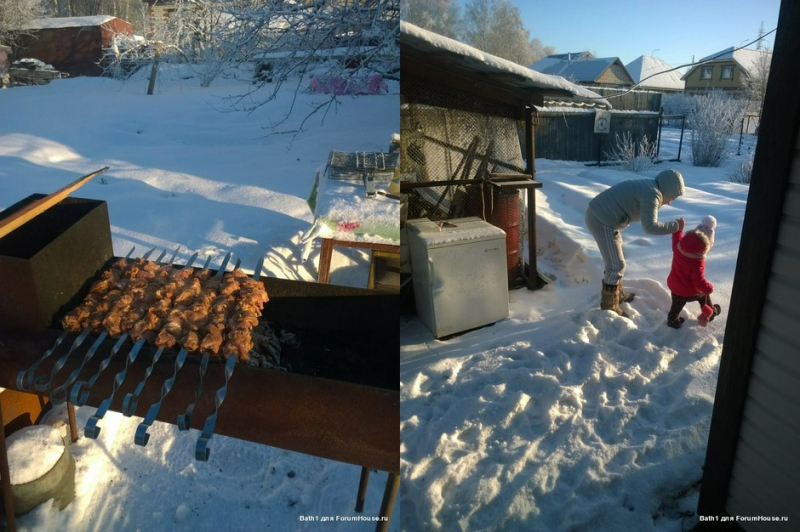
point(746, 58)
point(645, 66)
point(582, 69)
point(430, 47)
point(67, 22)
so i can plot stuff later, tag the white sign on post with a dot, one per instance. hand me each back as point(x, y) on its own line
point(602, 121)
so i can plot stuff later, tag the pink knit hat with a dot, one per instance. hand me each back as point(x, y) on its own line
point(707, 226)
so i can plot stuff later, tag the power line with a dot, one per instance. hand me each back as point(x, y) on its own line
point(706, 60)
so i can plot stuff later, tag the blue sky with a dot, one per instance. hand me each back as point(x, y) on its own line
point(673, 30)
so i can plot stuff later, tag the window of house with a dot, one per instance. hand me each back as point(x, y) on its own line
point(705, 72)
point(727, 72)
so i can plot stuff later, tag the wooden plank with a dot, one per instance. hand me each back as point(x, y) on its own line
point(34, 209)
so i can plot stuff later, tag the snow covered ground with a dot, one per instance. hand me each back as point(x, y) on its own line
point(563, 417)
point(186, 172)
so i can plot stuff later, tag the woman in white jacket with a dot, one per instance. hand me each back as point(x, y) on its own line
point(611, 211)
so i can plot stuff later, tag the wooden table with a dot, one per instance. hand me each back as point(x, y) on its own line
point(328, 244)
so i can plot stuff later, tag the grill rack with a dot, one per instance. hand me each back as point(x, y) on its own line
point(356, 165)
point(27, 380)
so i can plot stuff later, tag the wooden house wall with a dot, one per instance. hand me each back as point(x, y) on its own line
point(695, 84)
point(766, 469)
point(615, 76)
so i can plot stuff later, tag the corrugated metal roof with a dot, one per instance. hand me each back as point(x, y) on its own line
point(645, 66)
point(581, 70)
point(430, 47)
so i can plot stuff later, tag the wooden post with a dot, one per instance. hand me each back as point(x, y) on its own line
point(530, 148)
point(154, 70)
point(362, 489)
point(73, 426)
point(8, 501)
point(387, 505)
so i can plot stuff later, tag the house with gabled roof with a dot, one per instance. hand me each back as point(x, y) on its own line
point(651, 73)
point(585, 69)
point(726, 70)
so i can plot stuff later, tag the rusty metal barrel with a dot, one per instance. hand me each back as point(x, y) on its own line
point(500, 207)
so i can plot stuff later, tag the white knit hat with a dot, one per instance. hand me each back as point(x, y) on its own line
point(707, 226)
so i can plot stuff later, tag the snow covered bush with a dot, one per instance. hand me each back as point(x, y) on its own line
point(677, 104)
point(633, 156)
point(715, 119)
point(741, 172)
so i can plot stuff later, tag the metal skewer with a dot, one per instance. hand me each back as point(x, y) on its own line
point(91, 430)
point(59, 393)
point(78, 396)
point(191, 260)
point(259, 267)
point(142, 437)
point(25, 377)
point(202, 451)
point(172, 259)
point(161, 257)
point(132, 399)
point(185, 419)
point(42, 383)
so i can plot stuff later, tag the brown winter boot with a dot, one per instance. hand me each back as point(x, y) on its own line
point(625, 297)
point(609, 299)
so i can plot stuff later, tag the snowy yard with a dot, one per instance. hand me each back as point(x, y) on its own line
point(185, 171)
point(562, 416)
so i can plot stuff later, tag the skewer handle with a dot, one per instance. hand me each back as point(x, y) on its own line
point(37, 207)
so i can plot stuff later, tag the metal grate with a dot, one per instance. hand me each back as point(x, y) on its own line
point(355, 165)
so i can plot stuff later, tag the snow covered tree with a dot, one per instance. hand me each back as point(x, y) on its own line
point(755, 85)
point(15, 13)
point(540, 50)
point(716, 117)
point(439, 16)
point(496, 27)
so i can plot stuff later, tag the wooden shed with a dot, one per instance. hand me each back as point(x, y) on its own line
point(71, 44)
point(751, 478)
point(466, 125)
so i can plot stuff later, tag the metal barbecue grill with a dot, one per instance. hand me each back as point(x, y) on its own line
point(336, 396)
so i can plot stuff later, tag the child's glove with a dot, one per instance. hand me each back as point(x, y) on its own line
point(681, 224)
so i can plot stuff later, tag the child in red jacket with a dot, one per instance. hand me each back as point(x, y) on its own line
point(687, 280)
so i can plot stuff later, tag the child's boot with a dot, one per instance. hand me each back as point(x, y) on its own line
point(676, 323)
point(705, 315)
point(717, 312)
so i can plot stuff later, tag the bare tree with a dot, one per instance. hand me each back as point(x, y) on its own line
point(755, 85)
point(15, 13)
point(442, 17)
point(495, 26)
point(540, 50)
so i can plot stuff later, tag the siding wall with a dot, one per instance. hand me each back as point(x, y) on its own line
point(767, 463)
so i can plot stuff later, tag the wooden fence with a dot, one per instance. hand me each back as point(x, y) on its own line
point(627, 100)
point(570, 136)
